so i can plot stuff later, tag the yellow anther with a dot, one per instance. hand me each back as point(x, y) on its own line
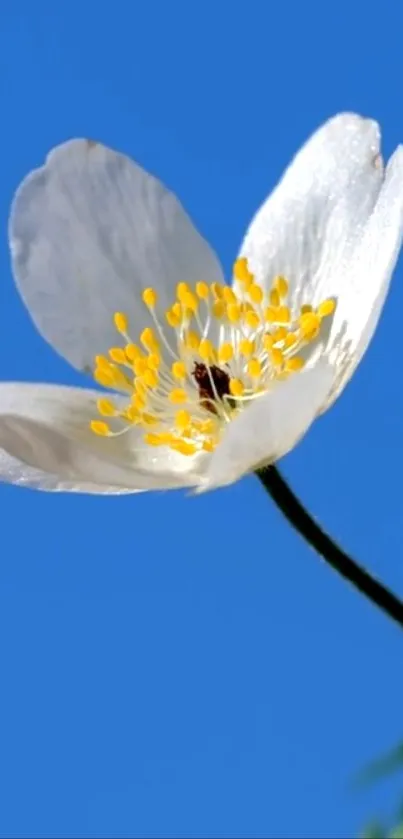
point(206, 426)
point(280, 284)
point(118, 355)
point(178, 370)
point(208, 446)
point(283, 314)
point(149, 419)
point(121, 322)
point(149, 340)
point(101, 428)
point(218, 308)
point(191, 340)
point(255, 293)
point(236, 387)
point(233, 312)
point(268, 342)
point(178, 396)
point(140, 366)
point(181, 290)
point(246, 347)
point(104, 377)
point(103, 363)
point(252, 320)
point(229, 295)
point(132, 352)
point(254, 368)
point(270, 314)
point(138, 402)
point(279, 334)
point(106, 408)
point(290, 340)
point(140, 388)
point(225, 353)
point(182, 419)
point(157, 439)
point(292, 365)
point(150, 378)
point(274, 297)
point(206, 350)
point(132, 414)
point(326, 308)
point(154, 361)
point(277, 357)
point(217, 290)
point(183, 447)
point(309, 325)
point(241, 271)
point(190, 302)
point(173, 318)
point(305, 308)
point(202, 290)
point(149, 297)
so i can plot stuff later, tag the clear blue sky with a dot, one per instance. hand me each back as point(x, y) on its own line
point(174, 666)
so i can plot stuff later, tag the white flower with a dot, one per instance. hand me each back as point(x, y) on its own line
point(209, 381)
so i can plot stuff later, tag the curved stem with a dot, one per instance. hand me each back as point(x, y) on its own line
point(307, 527)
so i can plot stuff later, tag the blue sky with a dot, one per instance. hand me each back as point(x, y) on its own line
point(175, 666)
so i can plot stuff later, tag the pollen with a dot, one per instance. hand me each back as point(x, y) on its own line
point(200, 362)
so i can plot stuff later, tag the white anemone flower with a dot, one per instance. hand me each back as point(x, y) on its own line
point(206, 381)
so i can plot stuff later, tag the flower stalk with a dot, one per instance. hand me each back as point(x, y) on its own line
point(297, 515)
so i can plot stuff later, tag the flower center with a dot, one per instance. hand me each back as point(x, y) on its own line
point(215, 351)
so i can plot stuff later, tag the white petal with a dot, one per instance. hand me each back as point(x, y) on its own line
point(270, 427)
point(13, 471)
point(369, 276)
point(88, 231)
point(308, 228)
point(47, 429)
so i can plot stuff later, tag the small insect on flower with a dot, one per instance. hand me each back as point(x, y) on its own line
point(203, 381)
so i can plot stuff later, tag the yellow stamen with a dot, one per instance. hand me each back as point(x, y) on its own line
point(202, 290)
point(218, 308)
point(292, 365)
point(252, 320)
point(178, 395)
point(246, 347)
point(149, 340)
point(100, 428)
point(233, 312)
point(274, 297)
point(182, 419)
point(106, 408)
point(150, 378)
point(254, 368)
point(149, 297)
point(121, 322)
point(225, 353)
point(326, 308)
point(281, 285)
point(206, 350)
point(118, 355)
point(178, 370)
point(255, 294)
point(236, 387)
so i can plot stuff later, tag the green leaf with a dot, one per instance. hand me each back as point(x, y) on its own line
point(373, 831)
point(385, 765)
point(397, 832)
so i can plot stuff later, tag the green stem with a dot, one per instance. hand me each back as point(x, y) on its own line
point(301, 520)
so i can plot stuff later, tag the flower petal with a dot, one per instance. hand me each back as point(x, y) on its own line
point(13, 471)
point(89, 231)
point(308, 227)
point(370, 272)
point(47, 429)
point(270, 427)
